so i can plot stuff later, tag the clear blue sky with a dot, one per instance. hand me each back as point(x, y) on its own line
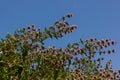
point(95, 18)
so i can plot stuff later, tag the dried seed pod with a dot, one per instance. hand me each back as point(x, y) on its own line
point(113, 50)
point(113, 42)
point(69, 15)
point(109, 51)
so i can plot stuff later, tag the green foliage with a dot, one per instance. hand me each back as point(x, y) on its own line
point(23, 56)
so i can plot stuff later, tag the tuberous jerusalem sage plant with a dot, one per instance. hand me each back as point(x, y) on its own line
point(24, 55)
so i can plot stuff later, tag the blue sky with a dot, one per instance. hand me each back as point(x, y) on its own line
point(95, 18)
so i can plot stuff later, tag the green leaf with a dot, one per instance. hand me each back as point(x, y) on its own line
point(56, 22)
point(75, 45)
point(69, 45)
point(81, 41)
point(9, 36)
point(52, 29)
point(1, 63)
point(55, 74)
point(54, 34)
point(25, 76)
point(48, 32)
point(40, 34)
point(20, 68)
point(25, 51)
